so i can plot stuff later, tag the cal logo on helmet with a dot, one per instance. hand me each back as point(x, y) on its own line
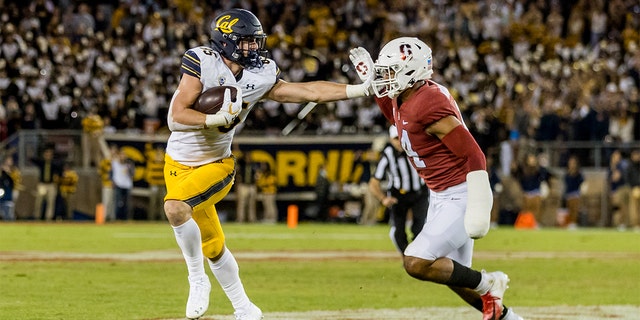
point(225, 23)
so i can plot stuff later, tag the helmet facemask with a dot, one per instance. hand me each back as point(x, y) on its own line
point(401, 63)
point(385, 82)
point(248, 51)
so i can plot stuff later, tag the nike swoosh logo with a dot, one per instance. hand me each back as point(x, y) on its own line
point(404, 122)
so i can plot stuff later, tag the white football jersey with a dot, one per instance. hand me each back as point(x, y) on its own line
point(194, 145)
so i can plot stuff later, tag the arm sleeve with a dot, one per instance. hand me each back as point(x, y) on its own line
point(463, 145)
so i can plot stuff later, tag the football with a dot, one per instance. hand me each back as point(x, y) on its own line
point(210, 101)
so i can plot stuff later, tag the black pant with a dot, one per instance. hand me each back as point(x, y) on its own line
point(418, 202)
point(122, 199)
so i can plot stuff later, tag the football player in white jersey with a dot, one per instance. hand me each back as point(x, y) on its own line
point(199, 166)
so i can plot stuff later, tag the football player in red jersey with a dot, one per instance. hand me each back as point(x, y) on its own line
point(447, 157)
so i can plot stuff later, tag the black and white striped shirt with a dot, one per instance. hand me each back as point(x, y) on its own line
point(401, 174)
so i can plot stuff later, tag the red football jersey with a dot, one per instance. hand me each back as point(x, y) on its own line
point(435, 163)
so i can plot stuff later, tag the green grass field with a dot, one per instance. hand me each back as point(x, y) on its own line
point(135, 270)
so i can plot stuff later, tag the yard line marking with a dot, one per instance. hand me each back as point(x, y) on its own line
point(175, 255)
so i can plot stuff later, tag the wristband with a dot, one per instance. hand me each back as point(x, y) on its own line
point(356, 91)
point(215, 120)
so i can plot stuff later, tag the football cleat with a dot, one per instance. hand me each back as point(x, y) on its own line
point(492, 300)
point(198, 302)
point(254, 313)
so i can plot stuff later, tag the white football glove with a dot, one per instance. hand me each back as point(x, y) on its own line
point(228, 113)
point(361, 60)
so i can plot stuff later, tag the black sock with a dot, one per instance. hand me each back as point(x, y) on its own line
point(464, 277)
point(504, 311)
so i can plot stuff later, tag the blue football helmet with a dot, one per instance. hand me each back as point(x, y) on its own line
point(233, 27)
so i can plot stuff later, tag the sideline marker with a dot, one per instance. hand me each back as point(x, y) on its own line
point(292, 216)
point(100, 213)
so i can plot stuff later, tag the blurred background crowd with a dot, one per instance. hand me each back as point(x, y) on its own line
point(543, 69)
point(523, 72)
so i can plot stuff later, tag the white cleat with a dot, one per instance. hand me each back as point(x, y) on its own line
point(254, 313)
point(198, 302)
point(492, 300)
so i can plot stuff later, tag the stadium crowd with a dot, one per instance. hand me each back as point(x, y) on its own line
point(522, 71)
point(539, 69)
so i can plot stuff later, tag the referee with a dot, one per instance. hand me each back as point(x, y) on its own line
point(406, 190)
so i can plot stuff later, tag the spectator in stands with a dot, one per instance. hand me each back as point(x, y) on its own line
point(267, 184)
point(7, 185)
point(107, 184)
point(534, 180)
point(122, 172)
point(406, 196)
point(634, 107)
point(154, 175)
point(320, 208)
point(549, 128)
point(330, 124)
point(246, 190)
point(16, 176)
point(508, 148)
point(67, 186)
point(621, 123)
point(82, 22)
point(598, 25)
point(573, 179)
point(370, 204)
point(511, 197)
point(93, 143)
point(633, 179)
point(47, 189)
point(496, 188)
point(600, 115)
point(618, 190)
point(29, 119)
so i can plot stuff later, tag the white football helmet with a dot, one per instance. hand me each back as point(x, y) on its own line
point(402, 62)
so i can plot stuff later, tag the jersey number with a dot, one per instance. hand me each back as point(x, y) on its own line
point(406, 145)
point(207, 51)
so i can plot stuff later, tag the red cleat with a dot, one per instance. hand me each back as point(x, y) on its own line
point(492, 300)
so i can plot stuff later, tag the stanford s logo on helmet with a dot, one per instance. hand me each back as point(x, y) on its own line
point(237, 34)
point(406, 51)
point(402, 62)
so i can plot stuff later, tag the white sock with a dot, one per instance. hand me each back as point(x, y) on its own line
point(227, 273)
point(485, 284)
point(190, 242)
